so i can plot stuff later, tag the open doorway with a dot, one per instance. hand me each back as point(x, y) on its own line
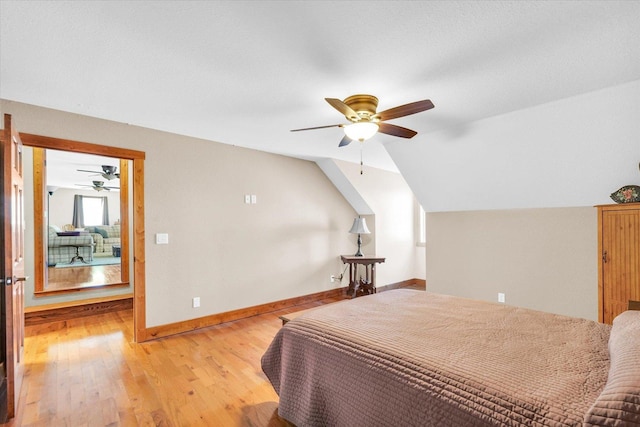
point(131, 219)
point(82, 217)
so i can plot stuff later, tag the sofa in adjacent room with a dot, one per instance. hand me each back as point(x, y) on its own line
point(105, 237)
point(63, 249)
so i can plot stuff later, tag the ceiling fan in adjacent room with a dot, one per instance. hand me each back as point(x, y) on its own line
point(360, 111)
point(108, 172)
point(99, 186)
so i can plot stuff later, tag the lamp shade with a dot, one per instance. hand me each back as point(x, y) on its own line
point(361, 131)
point(359, 226)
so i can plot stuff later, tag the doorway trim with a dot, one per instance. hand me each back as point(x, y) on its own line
point(41, 201)
point(138, 235)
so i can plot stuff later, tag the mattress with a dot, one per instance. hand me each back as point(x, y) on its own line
point(415, 358)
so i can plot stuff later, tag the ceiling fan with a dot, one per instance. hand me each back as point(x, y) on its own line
point(99, 186)
point(360, 110)
point(108, 172)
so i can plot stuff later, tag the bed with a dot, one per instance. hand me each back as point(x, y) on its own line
point(415, 358)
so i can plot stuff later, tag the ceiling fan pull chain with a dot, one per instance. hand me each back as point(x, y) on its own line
point(361, 158)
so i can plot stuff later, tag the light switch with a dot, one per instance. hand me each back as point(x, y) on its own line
point(162, 239)
point(247, 198)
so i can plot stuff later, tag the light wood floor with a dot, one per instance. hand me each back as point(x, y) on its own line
point(82, 276)
point(88, 372)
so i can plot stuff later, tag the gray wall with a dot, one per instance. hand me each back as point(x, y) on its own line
point(230, 254)
point(545, 259)
point(489, 187)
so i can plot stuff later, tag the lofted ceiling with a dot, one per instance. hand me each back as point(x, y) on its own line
point(245, 73)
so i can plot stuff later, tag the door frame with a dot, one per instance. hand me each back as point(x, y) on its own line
point(40, 203)
point(137, 217)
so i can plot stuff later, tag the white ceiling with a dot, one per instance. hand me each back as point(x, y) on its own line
point(67, 170)
point(245, 73)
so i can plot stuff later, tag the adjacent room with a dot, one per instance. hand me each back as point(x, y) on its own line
point(196, 194)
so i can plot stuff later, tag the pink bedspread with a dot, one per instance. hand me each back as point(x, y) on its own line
point(414, 358)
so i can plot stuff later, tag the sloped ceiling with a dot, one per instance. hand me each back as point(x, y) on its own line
point(245, 73)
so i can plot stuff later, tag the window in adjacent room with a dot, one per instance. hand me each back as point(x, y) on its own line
point(92, 208)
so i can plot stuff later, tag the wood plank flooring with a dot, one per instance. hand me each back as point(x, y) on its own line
point(82, 276)
point(88, 372)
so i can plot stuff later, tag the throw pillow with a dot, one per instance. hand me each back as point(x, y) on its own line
point(102, 232)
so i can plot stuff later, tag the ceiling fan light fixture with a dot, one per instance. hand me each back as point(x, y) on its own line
point(361, 131)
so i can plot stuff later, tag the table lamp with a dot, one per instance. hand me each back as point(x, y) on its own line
point(359, 227)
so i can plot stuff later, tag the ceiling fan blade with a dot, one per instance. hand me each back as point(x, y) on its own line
point(404, 110)
point(84, 170)
point(394, 130)
point(318, 127)
point(343, 108)
point(345, 141)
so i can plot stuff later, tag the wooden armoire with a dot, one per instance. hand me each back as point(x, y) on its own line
point(619, 259)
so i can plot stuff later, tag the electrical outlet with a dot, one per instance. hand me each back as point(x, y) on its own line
point(196, 302)
point(332, 278)
point(254, 199)
point(501, 297)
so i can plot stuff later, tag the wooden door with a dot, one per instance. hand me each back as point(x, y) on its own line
point(619, 259)
point(12, 265)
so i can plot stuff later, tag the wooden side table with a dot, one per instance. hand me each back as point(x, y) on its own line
point(361, 286)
